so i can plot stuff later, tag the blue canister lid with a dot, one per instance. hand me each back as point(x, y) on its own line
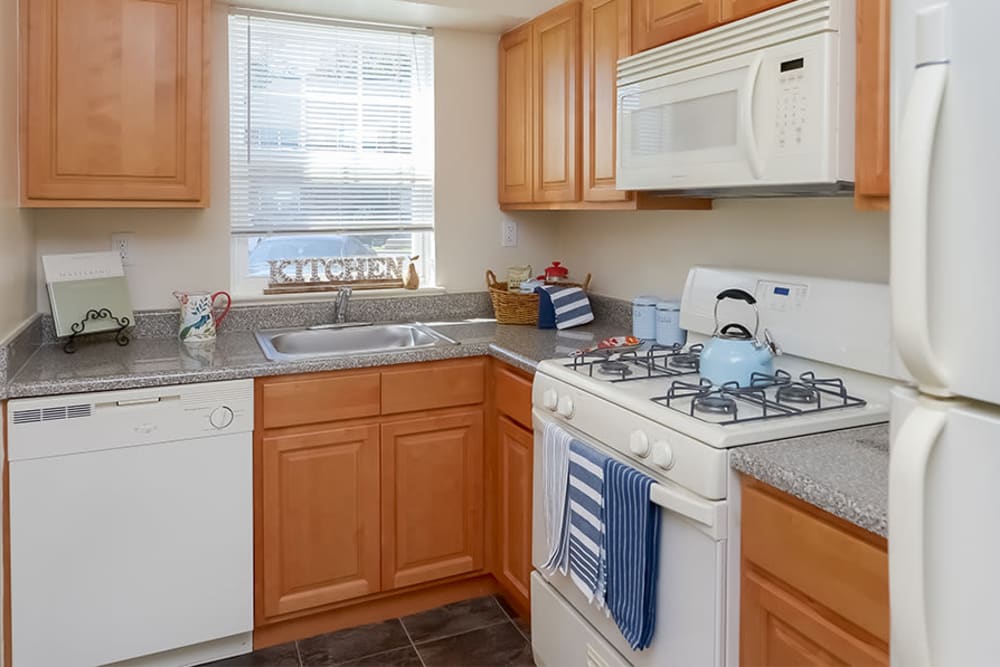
point(668, 305)
point(645, 300)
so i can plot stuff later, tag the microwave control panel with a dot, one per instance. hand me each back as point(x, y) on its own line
point(793, 105)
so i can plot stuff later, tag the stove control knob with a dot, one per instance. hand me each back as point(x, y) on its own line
point(221, 418)
point(663, 455)
point(638, 444)
point(550, 399)
point(566, 408)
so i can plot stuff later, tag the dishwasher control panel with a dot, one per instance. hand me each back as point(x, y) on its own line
point(74, 423)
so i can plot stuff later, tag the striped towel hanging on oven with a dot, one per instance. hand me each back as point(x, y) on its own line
point(632, 533)
point(555, 479)
point(586, 519)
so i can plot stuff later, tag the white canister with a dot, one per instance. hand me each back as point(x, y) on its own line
point(668, 324)
point(644, 317)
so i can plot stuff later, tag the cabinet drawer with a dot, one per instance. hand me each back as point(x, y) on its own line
point(316, 399)
point(513, 395)
point(431, 386)
point(842, 570)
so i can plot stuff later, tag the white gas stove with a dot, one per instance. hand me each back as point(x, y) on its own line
point(651, 408)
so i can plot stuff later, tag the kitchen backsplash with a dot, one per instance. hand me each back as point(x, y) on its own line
point(650, 252)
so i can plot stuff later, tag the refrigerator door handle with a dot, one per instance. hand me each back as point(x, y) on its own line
point(910, 454)
point(911, 180)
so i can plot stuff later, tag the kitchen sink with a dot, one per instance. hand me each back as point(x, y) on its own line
point(339, 340)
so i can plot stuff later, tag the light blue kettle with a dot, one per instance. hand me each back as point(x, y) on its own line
point(734, 354)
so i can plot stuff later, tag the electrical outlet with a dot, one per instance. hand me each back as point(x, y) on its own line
point(120, 243)
point(508, 237)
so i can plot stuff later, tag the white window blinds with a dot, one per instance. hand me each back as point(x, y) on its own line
point(331, 126)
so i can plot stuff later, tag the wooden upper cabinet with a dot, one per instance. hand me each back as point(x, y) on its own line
point(607, 37)
point(319, 541)
point(871, 132)
point(516, 117)
point(739, 9)
point(656, 22)
point(513, 568)
point(556, 47)
point(432, 498)
point(113, 102)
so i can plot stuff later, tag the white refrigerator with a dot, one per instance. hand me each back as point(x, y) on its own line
point(944, 480)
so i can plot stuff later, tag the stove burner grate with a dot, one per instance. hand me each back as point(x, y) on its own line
point(635, 364)
point(806, 395)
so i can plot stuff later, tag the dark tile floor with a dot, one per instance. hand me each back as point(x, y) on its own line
point(484, 632)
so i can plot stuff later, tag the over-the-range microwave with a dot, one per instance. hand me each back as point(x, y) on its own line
point(763, 106)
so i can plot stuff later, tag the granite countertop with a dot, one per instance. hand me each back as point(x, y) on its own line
point(148, 362)
point(845, 473)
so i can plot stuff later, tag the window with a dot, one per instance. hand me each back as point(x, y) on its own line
point(331, 142)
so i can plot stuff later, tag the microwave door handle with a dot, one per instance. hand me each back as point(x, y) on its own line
point(909, 226)
point(911, 452)
point(750, 135)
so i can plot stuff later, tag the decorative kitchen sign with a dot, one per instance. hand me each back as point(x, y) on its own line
point(319, 274)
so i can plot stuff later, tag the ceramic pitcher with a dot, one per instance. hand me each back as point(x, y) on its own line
point(198, 319)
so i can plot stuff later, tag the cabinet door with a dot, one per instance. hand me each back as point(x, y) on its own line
point(516, 117)
point(606, 39)
point(113, 102)
point(656, 22)
point(556, 52)
point(779, 629)
point(319, 540)
point(514, 450)
point(871, 148)
point(432, 498)
point(738, 9)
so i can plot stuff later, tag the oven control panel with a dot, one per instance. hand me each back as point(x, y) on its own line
point(781, 297)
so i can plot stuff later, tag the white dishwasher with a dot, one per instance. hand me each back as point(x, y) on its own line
point(131, 526)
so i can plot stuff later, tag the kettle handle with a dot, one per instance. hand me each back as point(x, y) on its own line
point(738, 295)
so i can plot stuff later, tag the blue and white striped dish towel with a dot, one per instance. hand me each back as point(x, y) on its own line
point(632, 525)
point(555, 479)
point(586, 520)
point(571, 305)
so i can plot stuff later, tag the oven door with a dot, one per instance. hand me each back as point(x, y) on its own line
point(763, 118)
point(691, 596)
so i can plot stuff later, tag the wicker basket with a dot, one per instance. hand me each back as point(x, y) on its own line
point(514, 307)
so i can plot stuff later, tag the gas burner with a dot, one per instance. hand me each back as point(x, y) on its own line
point(687, 361)
point(716, 405)
point(797, 393)
point(615, 368)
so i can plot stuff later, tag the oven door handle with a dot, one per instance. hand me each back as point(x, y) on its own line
point(711, 515)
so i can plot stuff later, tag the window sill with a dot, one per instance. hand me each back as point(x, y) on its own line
point(249, 299)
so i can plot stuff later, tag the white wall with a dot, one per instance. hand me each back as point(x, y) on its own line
point(17, 268)
point(468, 217)
point(184, 249)
point(651, 252)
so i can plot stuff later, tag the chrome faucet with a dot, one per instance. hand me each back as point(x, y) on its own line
point(342, 306)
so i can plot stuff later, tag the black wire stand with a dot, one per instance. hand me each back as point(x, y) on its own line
point(80, 328)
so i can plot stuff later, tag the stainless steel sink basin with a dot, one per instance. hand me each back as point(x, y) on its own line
point(347, 340)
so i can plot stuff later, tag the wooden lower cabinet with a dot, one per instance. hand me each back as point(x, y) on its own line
point(781, 629)
point(515, 447)
point(814, 588)
point(319, 537)
point(432, 498)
